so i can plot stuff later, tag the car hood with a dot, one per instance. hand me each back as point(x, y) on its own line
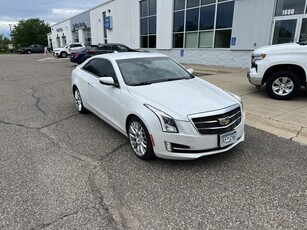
point(278, 48)
point(183, 97)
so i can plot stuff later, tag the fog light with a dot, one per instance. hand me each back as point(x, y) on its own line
point(168, 146)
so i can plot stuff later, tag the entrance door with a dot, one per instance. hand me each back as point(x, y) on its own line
point(290, 29)
point(285, 30)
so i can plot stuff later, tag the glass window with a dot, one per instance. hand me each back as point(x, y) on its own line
point(148, 23)
point(222, 39)
point(144, 8)
point(152, 25)
point(138, 71)
point(179, 4)
point(192, 20)
point(203, 23)
point(152, 7)
point(191, 40)
point(144, 41)
point(303, 34)
point(192, 3)
point(206, 2)
point(207, 17)
point(144, 26)
point(224, 15)
point(100, 68)
point(178, 40)
point(178, 21)
point(152, 41)
point(289, 7)
point(206, 39)
point(284, 31)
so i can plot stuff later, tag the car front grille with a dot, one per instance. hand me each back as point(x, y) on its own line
point(218, 124)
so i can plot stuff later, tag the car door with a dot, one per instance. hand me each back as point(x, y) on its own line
point(105, 99)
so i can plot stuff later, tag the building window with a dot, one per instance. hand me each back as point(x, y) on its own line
point(148, 22)
point(202, 23)
point(75, 35)
point(88, 36)
point(289, 7)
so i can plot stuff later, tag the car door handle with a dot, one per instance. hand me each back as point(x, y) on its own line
point(90, 83)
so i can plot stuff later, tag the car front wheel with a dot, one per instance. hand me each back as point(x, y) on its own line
point(78, 102)
point(139, 139)
point(283, 85)
point(63, 55)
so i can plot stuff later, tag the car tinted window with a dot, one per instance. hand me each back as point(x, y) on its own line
point(78, 45)
point(101, 68)
point(106, 47)
point(120, 48)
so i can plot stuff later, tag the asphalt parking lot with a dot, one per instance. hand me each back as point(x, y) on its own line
point(63, 170)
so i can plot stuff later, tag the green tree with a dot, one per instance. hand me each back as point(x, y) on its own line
point(4, 42)
point(31, 31)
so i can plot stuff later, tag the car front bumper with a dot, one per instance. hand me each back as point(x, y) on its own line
point(253, 77)
point(190, 145)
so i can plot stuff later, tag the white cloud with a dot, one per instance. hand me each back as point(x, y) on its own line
point(66, 12)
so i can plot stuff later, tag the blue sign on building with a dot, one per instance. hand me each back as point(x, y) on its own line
point(233, 41)
point(108, 23)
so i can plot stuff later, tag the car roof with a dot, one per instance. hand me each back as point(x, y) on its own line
point(129, 55)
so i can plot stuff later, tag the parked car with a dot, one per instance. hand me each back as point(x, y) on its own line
point(32, 49)
point(79, 56)
point(162, 108)
point(283, 68)
point(66, 50)
point(110, 48)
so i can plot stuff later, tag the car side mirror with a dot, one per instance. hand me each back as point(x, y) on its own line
point(108, 81)
point(190, 71)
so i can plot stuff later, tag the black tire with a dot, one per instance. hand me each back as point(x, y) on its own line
point(63, 54)
point(283, 85)
point(78, 101)
point(139, 139)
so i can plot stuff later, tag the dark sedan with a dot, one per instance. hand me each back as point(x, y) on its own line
point(90, 51)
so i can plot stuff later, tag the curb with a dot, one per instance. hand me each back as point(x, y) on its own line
point(280, 129)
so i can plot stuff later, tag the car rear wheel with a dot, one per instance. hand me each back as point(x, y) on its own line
point(283, 85)
point(78, 102)
point(139, 139)
point(63, 54)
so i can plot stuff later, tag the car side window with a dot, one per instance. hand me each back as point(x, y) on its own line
point(106, 47)
point(101, 68)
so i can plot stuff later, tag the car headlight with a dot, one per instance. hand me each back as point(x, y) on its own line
point(168, 124)
point(258, 57)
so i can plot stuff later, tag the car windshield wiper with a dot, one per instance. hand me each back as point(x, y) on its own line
point(176, 78)
point(142, 83)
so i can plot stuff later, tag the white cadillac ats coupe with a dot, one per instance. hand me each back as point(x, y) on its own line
point(159, 105)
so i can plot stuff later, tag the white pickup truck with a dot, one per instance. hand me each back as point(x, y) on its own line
point(281, 67)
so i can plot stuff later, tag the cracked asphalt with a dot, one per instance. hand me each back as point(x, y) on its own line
point(63, 170)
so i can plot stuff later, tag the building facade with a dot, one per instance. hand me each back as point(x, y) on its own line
point(210, 32)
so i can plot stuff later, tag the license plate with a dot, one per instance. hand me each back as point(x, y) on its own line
point(228, 138)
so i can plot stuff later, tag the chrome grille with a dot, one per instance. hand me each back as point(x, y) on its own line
point(216, 124)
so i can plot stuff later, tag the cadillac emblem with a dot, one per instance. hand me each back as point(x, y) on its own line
point(224, 121)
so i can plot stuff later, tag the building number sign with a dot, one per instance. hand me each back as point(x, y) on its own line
point(288, 12)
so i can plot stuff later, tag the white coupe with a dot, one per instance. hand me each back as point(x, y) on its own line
point(162, 108)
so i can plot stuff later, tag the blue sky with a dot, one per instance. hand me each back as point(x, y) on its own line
point(54, 11)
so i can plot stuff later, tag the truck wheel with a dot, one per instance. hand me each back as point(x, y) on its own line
point(63, 54)
point(283, 85)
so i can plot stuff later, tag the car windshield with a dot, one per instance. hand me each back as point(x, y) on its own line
point(144, 71)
